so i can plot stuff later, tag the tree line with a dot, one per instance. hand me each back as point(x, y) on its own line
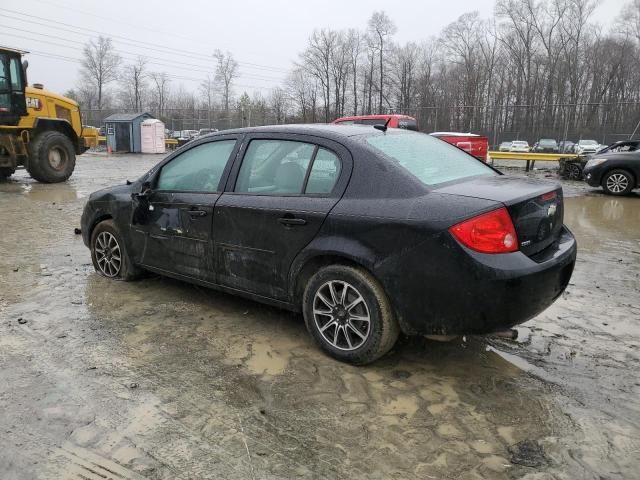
point(535, 68)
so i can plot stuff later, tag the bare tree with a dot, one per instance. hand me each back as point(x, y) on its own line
point(161, 88)
point(278, 101)
point(207, 87)
point(316, 60)
point(303, 90)
point(134, 78)
point(99, 65)
point(381, 27)
point(226, 73)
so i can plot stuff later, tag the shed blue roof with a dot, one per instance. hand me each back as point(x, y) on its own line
point(127, 117)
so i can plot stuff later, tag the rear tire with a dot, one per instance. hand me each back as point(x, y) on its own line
point(53, 157)
point(349, 315)
point(109, 253)
point(618, 182)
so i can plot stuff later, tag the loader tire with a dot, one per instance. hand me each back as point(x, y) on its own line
point(52, 159)
point(6, 172)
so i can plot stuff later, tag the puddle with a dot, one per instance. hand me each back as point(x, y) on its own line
point(226, 388)
point(601, 221)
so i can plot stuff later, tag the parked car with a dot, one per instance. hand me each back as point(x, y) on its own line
point(504, 147)
point(206, 131)
point(585, 147)
point(368, 233)
point(566, 146)
point(546, 145)
point(472, 143)
point(519, 146)
point(618, 173)
point(395, 121)
point(186, 136)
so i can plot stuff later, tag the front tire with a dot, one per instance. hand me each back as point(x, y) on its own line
point(109, 253)
point(618, 182)
point(52, 159)
point(349, 315)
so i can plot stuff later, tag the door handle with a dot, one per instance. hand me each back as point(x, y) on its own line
point(197, 213)
point(287, 221)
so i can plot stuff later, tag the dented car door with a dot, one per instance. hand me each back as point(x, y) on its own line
point(176, 216)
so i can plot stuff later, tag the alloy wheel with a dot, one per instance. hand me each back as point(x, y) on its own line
point(108, 255)
point(617, 183)
point(341, 315)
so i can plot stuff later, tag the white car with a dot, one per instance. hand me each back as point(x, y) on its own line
point(519, 146)
point(584, 147)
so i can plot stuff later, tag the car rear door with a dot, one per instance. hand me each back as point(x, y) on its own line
point(280, 190)
point(172, 224)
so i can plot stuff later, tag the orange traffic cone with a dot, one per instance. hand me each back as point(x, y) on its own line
point(109, 150)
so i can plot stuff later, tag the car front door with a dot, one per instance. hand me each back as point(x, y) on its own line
point(276, 200)
point(173, 221)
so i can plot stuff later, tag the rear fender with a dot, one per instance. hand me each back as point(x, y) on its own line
point(335, 248)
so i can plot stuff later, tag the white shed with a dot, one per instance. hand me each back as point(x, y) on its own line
point(152, 134)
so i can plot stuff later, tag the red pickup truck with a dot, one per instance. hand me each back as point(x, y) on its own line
point(476, 145)
point(395, 121)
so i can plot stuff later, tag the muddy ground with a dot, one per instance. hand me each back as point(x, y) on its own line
point(157, 379)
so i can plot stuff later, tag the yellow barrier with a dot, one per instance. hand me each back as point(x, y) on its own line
point(531, 158)
point(170, 142)
point(543, 157)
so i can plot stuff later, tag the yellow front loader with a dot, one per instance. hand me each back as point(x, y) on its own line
point(39, 129)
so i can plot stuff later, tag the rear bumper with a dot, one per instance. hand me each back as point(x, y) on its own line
point(483, 293)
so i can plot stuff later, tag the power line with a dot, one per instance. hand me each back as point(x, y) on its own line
point(175, 77)
point(123, 52)
point(149, 45)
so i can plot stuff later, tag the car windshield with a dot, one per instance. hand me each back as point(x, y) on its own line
point(588, 142)
point(520, 143)
point(546, 141)
point(430, 160)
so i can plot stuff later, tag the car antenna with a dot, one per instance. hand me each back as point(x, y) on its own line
point(383, 128)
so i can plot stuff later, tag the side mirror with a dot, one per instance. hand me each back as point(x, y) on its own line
point(144, 193)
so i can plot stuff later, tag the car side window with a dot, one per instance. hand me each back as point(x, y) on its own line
point(324, 172)
point(274, 167)
point(199, 169)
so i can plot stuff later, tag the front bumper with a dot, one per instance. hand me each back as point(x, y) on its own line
point(592, 176)
point(483, 293)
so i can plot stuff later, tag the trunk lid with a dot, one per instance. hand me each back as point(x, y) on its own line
point(536, 207)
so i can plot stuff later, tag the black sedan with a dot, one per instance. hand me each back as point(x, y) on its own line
point(617, 172)
point(368, 232)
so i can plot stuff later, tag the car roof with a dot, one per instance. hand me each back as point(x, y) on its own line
point(374, 117)
point(330, 131)
point(454, 134)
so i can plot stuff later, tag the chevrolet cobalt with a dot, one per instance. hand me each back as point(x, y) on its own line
point(367, 231)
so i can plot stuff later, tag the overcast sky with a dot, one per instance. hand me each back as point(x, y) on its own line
point(264, 36)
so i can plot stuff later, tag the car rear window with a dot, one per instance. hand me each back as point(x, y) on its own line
point(408, 124)
point(430, 160)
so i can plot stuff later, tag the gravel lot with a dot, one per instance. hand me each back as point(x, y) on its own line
point(158, 379)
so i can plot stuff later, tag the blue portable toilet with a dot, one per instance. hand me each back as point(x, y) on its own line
point(123, 131)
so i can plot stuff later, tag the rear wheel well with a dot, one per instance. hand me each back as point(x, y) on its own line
point(312, 266)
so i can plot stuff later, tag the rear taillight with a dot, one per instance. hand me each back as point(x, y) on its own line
point(491, 232)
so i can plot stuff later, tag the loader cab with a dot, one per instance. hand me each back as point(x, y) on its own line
point(12, 87)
